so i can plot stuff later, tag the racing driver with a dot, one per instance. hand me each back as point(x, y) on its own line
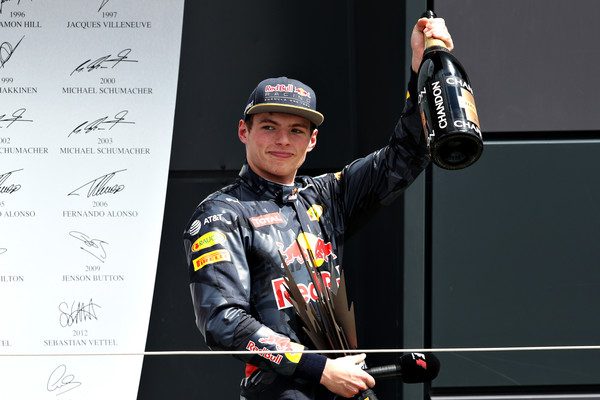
point(236, 236)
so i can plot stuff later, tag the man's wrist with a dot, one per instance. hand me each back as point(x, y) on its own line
point(310, 367)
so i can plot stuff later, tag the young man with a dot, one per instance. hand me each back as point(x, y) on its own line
point(236, 235)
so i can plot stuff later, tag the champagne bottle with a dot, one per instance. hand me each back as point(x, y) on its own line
point(447, 107)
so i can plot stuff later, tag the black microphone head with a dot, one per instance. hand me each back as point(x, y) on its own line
point(419, 367)
point(428, 14)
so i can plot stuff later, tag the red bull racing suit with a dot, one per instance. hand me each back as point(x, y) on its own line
point(235, 237)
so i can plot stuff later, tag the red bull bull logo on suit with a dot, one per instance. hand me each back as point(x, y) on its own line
point(308, 246)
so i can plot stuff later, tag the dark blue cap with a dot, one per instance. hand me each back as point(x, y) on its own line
point(286, 96)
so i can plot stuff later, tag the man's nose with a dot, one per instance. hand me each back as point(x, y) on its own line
point(282, 137)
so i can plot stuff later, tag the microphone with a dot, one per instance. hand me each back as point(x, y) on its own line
point(411, 368)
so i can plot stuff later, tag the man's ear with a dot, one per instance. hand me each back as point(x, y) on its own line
point(313, 140)
point(243, 131)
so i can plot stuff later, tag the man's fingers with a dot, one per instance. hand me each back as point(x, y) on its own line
point(422, 23)
point(358, 358)
point(361, 386)
point(370, 381)
point(436, 28)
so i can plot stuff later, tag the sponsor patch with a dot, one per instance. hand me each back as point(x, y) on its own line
point(282, 343)
point(420, 359)
point(294, 357)
point(213, 218)
point(282, 296)
point(266, 219)
point(211, 258)
point(208, 240)
point(289, 88)
point(276, 358)
point(195, 227)
point(302, 92)
point(315, 212)
point(308, 246)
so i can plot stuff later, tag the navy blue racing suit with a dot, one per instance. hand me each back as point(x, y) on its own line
point(235, 237)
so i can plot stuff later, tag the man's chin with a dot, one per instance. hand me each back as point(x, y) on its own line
point(282, 175)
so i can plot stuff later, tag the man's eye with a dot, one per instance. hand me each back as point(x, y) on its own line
point(298, 131)
point(268, 127)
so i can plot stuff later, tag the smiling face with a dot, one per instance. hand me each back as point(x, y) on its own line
point(276, 144)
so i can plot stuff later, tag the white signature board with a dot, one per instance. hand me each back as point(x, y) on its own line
point(87, 101)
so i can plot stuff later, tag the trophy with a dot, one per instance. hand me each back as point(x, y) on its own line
point(328, 322)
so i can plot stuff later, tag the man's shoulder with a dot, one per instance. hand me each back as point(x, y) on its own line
point(320, 182)
point(221, 202)
point(226, 198)
point(320, 188)
point(219, 196)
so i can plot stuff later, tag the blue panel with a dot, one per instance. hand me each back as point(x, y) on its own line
point(515, 263)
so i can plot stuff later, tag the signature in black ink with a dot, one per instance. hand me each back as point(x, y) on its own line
point(60, 381)
point(3, 250)
point(92, 65)
point(6, 1)
point(7, 50)
point(17, 116)
point(95, 247)
point(79, 312)
point(87, 126)
point(9, 189)
point(99, 185)
point(103, 4)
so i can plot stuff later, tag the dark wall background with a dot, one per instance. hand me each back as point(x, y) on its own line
point(515, 263)
point(532, 63)
point(500, 254)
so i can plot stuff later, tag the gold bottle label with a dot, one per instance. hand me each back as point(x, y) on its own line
point(467, 102)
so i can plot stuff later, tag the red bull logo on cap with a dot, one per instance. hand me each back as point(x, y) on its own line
point(302, 92)
point(279, 88)
point(310, 247)
point(289, 88)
